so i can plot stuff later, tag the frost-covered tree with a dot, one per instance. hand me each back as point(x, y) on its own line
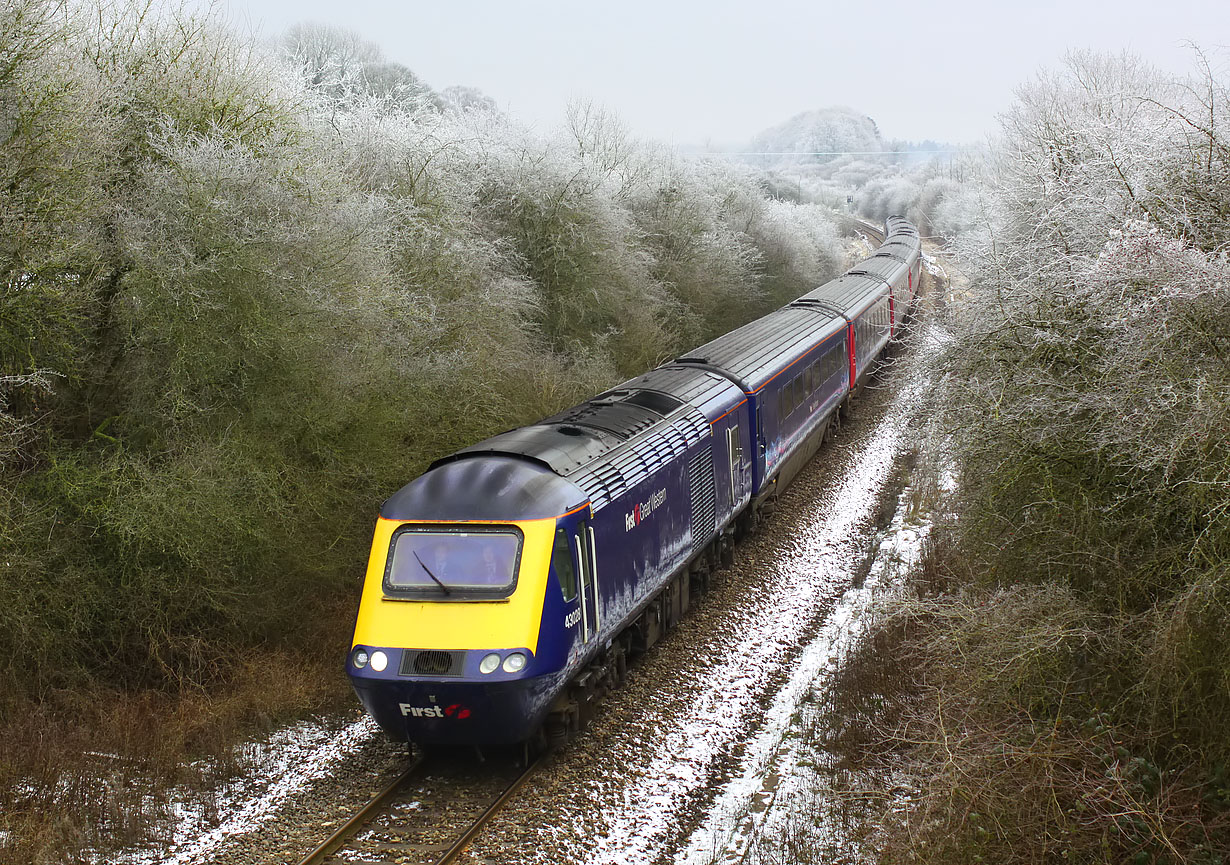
point(1089, 381)
point(338, 63)
point(459, 98)
point(817, 137)
point(1058, 669)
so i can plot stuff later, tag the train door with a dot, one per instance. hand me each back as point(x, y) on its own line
point(583, 550)
point(762, 445)
point(738, 477)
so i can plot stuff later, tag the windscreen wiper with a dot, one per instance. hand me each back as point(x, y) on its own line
point(430, 574)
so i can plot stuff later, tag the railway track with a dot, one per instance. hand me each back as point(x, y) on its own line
point(427, 816)
point(862, 226)
point(431, 813)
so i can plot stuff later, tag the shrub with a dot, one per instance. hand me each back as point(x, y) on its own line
point(1066, 692)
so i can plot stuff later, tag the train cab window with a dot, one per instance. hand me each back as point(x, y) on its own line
point(441, 563)
point(561, 562)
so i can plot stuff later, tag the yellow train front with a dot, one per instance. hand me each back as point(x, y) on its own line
point(450, 644)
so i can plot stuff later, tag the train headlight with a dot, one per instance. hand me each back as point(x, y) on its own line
point(379, 661)
point(489, 663)
point(360, 659)
point(514, 663)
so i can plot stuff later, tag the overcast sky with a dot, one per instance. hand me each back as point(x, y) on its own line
point(718, 72)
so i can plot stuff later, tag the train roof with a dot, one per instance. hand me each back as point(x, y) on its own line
point(709, 391)
point(496, 488)
point(904, 248)
point(899, 225)
point(753, 354)
point(612, 442)
point(851, 294)
point(883, 265)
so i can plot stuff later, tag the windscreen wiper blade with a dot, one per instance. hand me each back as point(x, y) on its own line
point(430, 574)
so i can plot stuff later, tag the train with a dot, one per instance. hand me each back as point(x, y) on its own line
point(508, 584)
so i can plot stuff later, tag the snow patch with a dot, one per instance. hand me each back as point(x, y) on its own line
point(751, 806)
point(932, 265)
point(282, 767)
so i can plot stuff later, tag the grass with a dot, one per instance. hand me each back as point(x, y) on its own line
point(87, 769)
point(1015, 719)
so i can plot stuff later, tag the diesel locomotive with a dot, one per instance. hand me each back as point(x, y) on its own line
point(508, 584)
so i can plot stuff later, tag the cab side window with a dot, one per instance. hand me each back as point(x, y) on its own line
point(561, 562)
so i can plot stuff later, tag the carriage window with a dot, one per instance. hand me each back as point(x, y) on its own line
point(561, 561)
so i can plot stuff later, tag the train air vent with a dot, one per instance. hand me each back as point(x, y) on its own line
point(432, 663)
point(570, 431)
point(704, 499)
point(661, 403)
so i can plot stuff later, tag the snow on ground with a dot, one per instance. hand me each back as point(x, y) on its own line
point(280, 768)
point(933, 266)
point(824, 558)
point(762, 802)
point(778, 782)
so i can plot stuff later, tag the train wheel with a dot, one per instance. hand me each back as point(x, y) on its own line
point(748, 522)
point(833, 426)
point(620, 666)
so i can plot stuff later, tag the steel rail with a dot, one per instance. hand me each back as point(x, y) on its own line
point(464, 841)
point(359, 818)
point(858, 224)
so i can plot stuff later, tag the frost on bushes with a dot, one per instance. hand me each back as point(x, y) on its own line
point(836, 157)
point(1089, 383)
point(1059, 692)
point(247, 295)
point(797, 248)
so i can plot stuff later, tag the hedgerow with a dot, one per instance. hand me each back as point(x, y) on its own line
point(247, 295)
point(1061, 671)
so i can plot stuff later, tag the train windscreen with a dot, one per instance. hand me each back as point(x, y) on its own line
point(437, 563)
